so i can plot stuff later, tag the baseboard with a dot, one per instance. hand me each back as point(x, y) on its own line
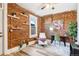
point(15, 49)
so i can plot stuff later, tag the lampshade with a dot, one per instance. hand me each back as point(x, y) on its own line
point(42, 35)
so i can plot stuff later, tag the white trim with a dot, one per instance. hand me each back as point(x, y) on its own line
point(77, 24)
point(1, 30)
point(5, 28)
point(15, 49)
point(31, 36)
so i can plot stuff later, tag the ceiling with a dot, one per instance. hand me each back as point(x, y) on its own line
point(59, 7)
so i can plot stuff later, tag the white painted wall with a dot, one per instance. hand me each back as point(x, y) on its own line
point(77, 24)
point(1, 38)
point(0, 20)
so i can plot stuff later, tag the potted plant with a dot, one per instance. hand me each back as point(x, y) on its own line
point(72, 30)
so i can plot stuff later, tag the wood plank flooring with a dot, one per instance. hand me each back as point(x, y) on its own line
point(42, 51)
point(20, 53)
point(34, 51)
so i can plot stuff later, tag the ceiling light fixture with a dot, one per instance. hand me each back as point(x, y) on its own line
point(47, 6)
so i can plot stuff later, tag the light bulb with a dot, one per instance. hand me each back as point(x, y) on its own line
point(51, 29)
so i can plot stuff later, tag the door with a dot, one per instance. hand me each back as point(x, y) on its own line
point(1, 32)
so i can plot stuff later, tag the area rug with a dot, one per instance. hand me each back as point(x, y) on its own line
point(50, 50)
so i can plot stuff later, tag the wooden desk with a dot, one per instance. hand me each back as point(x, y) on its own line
point(62, 38)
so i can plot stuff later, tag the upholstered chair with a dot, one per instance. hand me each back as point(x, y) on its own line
point(42, 39)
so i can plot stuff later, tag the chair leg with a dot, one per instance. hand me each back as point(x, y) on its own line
point(59, 42)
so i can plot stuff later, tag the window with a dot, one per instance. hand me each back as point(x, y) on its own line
point(33, 26)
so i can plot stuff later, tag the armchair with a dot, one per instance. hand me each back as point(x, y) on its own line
point(42, 39)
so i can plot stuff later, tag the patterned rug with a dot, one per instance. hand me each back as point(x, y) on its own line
point(50, 50)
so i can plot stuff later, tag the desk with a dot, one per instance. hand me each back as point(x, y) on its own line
point(62, 38)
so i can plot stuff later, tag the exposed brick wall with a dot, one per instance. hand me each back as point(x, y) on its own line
point(15, 36)
point(67, 16)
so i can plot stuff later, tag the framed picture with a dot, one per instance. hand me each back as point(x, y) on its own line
point(33, 26)
point(58, 24)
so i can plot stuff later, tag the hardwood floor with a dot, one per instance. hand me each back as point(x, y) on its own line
point(43, 51)
point(20, 53)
